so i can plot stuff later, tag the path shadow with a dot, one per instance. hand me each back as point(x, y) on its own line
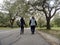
point(6, 36)
point(18, 38)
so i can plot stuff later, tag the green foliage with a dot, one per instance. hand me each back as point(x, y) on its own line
point(41, 22)
point(18, 23)
point(57, 22)
point(4, 20)
point(26, 23)
point(52, 24)
point(15, 25)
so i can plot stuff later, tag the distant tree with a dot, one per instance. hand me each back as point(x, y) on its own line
point(15, 8)
point(8, 6)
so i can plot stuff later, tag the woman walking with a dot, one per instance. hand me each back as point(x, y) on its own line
point(33, 24)
point(22, 23)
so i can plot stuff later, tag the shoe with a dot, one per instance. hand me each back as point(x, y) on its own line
point(32, 33)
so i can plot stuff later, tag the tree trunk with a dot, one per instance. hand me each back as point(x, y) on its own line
point(11, 25)
point(48, 23)
point(11, 22)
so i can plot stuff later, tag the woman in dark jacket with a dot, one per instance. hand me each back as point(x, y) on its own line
point(22, 23)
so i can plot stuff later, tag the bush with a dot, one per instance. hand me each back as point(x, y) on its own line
point(41, 23)
point(57, 22)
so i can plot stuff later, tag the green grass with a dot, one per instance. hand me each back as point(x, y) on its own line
point(7, 28)
point(56, 28)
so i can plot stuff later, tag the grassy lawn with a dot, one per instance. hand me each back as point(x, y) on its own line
point(7, 28)
point(55, 31)
point(56, 28)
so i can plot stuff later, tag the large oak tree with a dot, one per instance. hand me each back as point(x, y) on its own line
point(48, 7)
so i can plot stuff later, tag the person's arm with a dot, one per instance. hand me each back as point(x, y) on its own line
point(24, 22)
point(35, 22)
point(30, 22)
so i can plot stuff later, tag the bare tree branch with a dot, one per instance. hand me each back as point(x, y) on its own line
point(38, 9)
point(55, 12)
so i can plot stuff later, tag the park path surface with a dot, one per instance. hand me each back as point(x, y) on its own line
point(13, 37)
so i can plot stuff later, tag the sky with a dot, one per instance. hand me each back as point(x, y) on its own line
point(1, 1)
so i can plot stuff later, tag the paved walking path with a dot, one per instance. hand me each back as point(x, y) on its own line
point(13, 37)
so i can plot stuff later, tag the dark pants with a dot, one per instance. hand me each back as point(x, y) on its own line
point(22, 29)
point(32, 29)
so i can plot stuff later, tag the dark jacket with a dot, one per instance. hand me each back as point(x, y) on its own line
point(22, 22)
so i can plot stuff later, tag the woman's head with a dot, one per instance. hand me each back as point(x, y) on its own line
point(33, 17)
